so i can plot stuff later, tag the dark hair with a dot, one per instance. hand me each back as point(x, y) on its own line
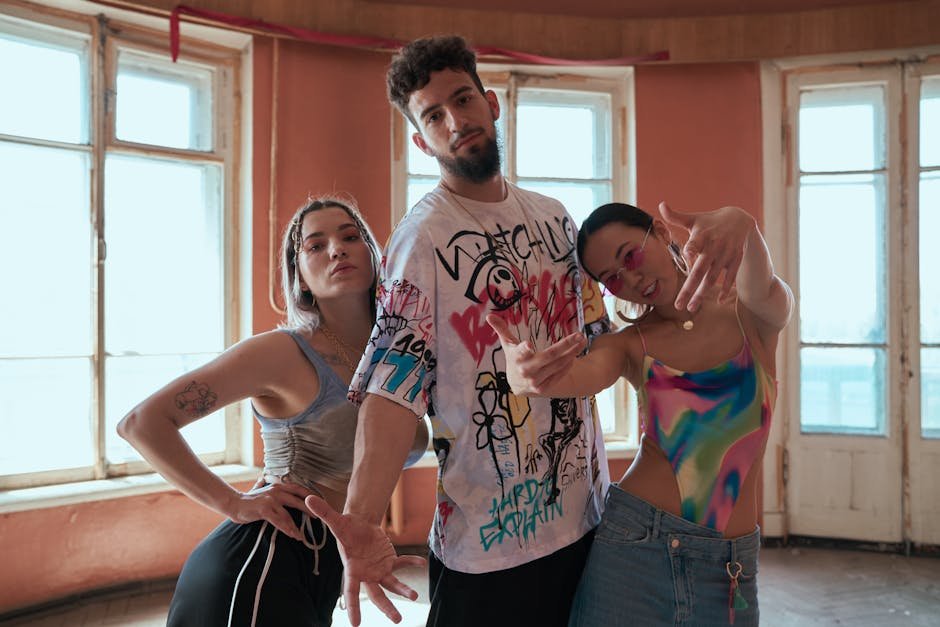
point(411, 67)
point(622, 213)
point(613, 212)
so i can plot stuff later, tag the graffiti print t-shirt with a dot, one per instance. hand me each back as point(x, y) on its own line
point(519, 478)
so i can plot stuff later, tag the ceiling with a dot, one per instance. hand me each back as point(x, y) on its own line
point(632, 9)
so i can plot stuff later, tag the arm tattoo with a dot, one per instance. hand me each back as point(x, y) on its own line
point(196, 400)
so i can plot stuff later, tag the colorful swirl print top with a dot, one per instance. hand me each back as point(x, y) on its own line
point(711, 425)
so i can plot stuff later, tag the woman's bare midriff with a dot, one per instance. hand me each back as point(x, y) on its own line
point(650, 477)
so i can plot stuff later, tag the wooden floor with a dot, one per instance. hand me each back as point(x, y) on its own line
point(798, 587)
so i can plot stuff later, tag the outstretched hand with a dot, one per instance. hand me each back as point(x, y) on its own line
point(369, 560)
point(531, 372)
point(715, 247)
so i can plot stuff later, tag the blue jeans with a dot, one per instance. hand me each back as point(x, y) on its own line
point(649, 567)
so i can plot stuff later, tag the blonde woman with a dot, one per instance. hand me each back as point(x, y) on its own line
point(271, 563)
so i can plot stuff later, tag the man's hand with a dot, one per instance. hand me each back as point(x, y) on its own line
point(369, 559)
point(531, 372)
point(715, 246)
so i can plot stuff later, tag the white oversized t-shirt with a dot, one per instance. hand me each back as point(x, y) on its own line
point(519, 478)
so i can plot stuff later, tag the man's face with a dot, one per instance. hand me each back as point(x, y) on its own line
point(456, 125)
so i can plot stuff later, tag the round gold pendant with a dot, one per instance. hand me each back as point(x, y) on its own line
point(688, 325)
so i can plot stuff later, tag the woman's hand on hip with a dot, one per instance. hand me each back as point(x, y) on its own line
point(269, 503)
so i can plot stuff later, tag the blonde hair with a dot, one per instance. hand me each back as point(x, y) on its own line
point(301, 305)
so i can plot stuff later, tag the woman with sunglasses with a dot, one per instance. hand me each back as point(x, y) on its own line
point(678, 541)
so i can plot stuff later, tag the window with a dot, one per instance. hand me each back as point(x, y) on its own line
point(115, 171)
point(582, 162)
point(928, 177)
point(861, 271)
point(843, 177)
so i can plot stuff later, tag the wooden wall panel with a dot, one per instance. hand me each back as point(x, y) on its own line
point(688, 39)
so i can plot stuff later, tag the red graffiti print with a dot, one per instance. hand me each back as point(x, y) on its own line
point(549, 308)
point(471, 326)
point(444, 511)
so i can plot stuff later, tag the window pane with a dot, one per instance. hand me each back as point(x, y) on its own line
point(45, 252)
point(842, 258)
point(417, 188)
point(842, 390)
point(930, 122)
point(129, 380)
point(418, 162)
point(41, 434)
point(45, 90)
point(606, 411)
point(164, 283)
point(930, 392)
point(929, 257)
point(563, 134)
point(842, 129)
point(162, 103)
point(579, 199)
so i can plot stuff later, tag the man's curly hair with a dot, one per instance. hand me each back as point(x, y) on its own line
point(411, 68)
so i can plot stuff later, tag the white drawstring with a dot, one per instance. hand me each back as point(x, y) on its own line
point(306, 527)
point(231, 608)
point(264, 574)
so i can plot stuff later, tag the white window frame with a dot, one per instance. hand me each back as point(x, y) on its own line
point(780, 106)
point(225, 57)
point(618, 83)
point(893, 349)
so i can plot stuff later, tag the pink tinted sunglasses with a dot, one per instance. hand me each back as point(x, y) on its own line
point(631, 261)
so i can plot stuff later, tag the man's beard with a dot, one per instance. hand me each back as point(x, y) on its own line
point(476, 168)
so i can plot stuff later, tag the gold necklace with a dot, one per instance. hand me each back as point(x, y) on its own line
point(453, 196)
point(342, 348)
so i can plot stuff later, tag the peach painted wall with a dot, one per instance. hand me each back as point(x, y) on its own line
point(333, 135)
point(698, 136)
point(55, 552)
point(698, 145)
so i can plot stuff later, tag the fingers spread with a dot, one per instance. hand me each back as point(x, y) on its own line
point(351, 595)
point(377, 596)
point(698, 272)
point(397, 586)
point(701, 293)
